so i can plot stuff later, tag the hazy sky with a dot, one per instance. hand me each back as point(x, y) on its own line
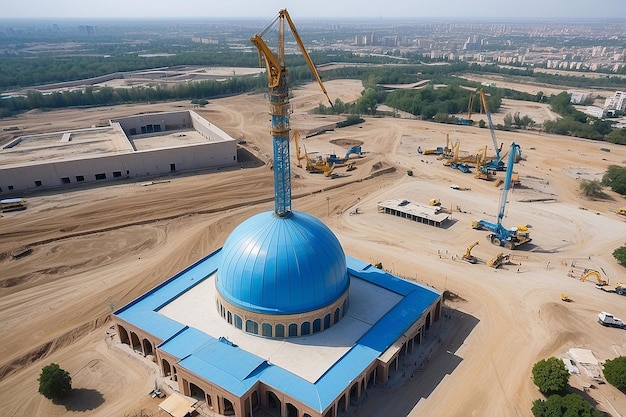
point(337, 9)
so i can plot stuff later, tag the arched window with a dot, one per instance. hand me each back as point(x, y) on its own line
point(252, 327)
point(293, 329)
point(305, 328)
point(336, 316)
point(326, 321)
point(280, 330)
point(230, 318)
point(237, 321)
point(266, 328)
point(317, 325)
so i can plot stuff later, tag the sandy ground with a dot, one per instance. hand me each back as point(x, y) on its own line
point(95, 249)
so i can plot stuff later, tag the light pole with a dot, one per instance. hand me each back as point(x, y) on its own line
point(327, 206)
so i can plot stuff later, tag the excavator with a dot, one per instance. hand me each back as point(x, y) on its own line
point(467, 256)
point(593, 273)
point(499, 260)
point(501, 236)
point(313, 165)
point(334, 159)
point(495, 164)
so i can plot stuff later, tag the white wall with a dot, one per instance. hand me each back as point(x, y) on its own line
point(130, 165)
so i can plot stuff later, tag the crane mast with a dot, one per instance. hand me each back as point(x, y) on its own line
point(496, 164)
point(507, 181)
point(278, 84)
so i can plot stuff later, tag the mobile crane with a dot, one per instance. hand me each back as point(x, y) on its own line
point(278, 84)
point(494, 164)
point(501, 236)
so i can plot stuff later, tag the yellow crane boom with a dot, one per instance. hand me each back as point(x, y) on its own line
point(276, 65)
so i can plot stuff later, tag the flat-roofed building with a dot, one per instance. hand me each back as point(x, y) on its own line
point(131, 147)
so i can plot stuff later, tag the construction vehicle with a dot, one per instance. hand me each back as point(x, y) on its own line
point(501, 236)
point(483, 172)
point(618, 288)
point(455, 162)
point(609, 320)
point(12, 204)
point(334, 159)
point(467, 256)
point(439, 150)
point(278, 96)
point(499, 260)
point(565, 298)
point(593, 273)
point(621, 211)
point(495, 164)
point(434, 202)
point(313, 165)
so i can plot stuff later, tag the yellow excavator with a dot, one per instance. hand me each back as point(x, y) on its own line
point(467, 256)
point(593, 273)
point(499, 260)
point(312, 164)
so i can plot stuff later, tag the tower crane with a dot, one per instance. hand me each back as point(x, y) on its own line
point(495, 164)
point(501, 236)
point(278, 84)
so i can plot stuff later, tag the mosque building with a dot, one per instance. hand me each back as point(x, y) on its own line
point(279, 319)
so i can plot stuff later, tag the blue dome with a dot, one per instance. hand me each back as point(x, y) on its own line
point(282, 265)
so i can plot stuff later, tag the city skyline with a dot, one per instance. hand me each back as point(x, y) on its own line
point(325, 9)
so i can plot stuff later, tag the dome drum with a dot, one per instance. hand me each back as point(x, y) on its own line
point(283, 326)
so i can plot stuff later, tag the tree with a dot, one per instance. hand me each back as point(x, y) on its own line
point(592, 189)
point(615, 372)
point(54, 382)
point(620, 255)
point(615, 177)
point(508, 121)
point(568, 405)
point(550, 375)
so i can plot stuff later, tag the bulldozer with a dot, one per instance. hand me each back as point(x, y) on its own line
point(499, 260)
point(467, 256)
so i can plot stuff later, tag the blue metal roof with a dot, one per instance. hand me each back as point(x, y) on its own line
point(282, 265)
point(237, 370)
point(141, 312)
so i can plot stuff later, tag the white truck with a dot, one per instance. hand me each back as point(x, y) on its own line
point(609, 320)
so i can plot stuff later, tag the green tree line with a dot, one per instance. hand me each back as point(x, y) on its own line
point(576, 123)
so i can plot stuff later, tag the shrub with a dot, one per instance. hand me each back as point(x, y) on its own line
point(561, 406)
